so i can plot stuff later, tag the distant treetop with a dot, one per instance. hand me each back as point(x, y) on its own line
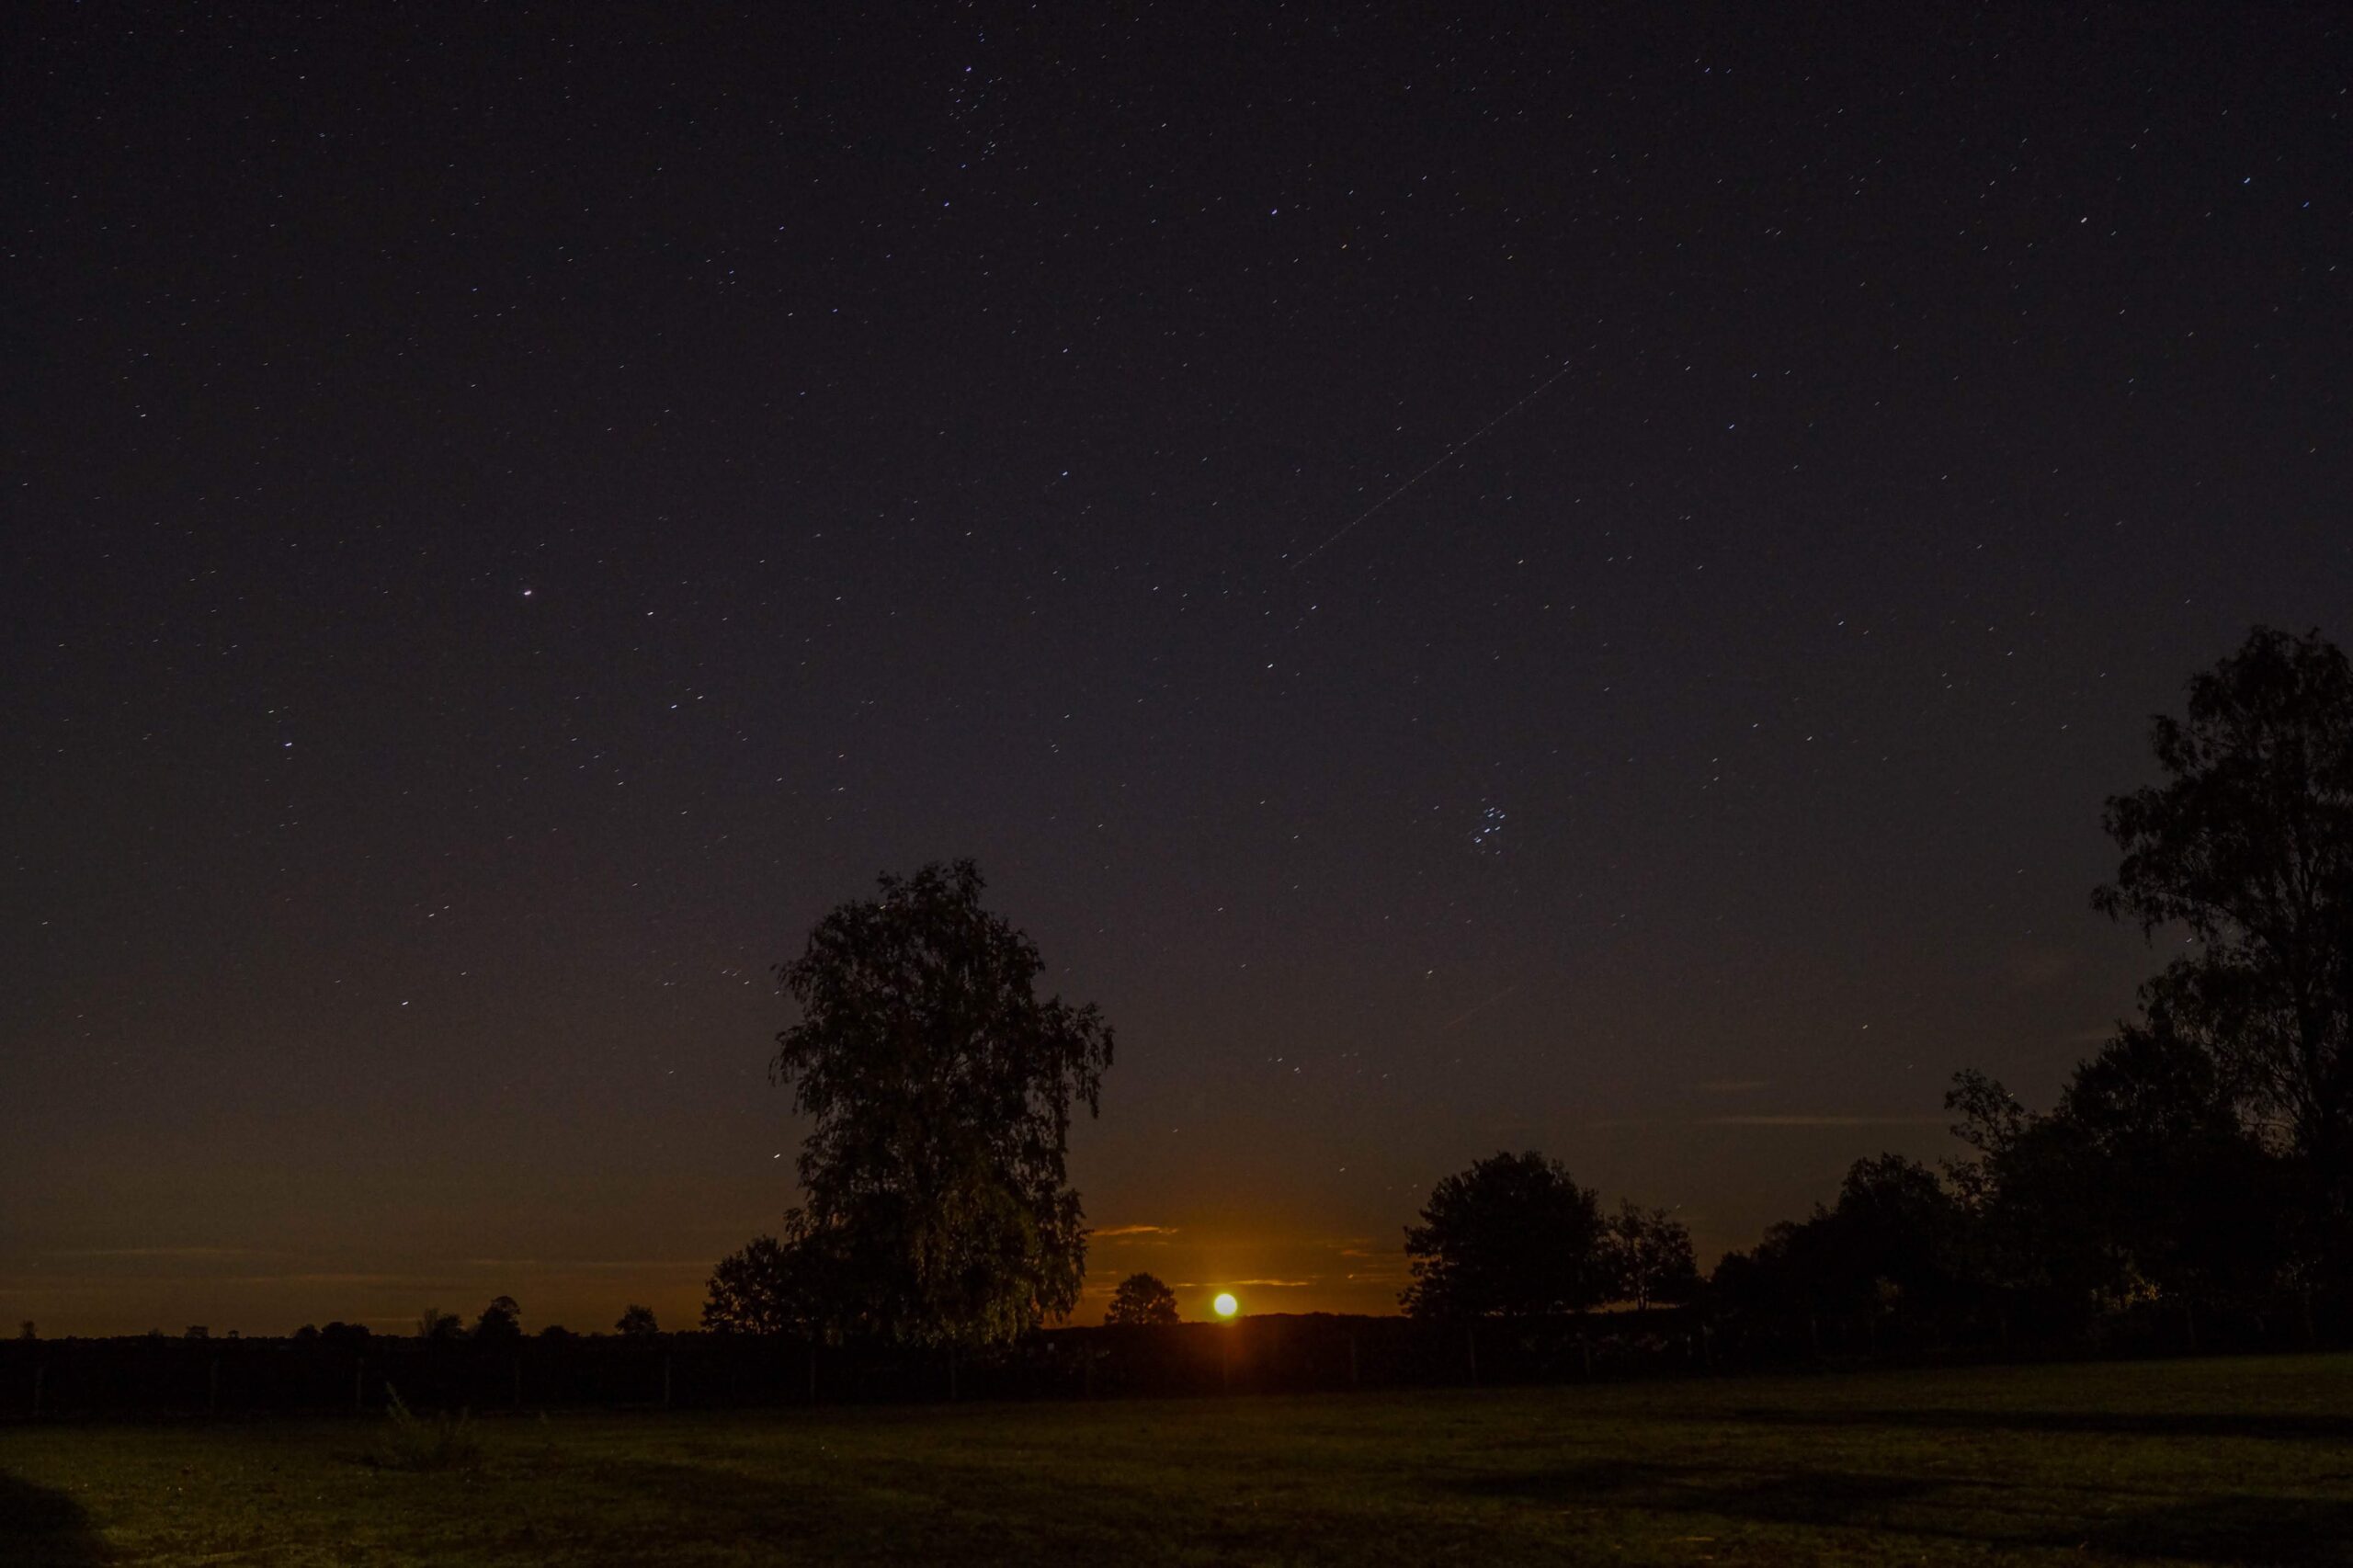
point(1140, 1301)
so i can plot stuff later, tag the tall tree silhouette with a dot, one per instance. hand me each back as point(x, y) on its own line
point(2248, 845)
point(1513, 1236)
point(938, 1208)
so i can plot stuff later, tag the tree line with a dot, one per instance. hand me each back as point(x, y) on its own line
point(2202, 1158)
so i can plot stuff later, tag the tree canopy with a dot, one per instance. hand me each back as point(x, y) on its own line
point(1143, 1301)
point(1513, 1236)
point(936, 1206)
point(2249, 845)
point(501, 1321)
point(1651, 1261)
point(766, 1287)
point(2206, 1151)
point(1894, 1242)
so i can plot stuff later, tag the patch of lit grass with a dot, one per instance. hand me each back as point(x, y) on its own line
point(2182, 1461)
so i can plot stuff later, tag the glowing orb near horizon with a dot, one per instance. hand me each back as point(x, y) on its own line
point(1225, 1306)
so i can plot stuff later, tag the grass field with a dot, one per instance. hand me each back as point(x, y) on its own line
point(2239, 1461)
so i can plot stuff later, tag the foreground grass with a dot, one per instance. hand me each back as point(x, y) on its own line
point(2242, 1460)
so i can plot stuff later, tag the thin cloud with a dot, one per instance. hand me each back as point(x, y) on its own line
point(193, 1254)
point(1108, 1232)
point(1807, 1118)
point(592, 1264)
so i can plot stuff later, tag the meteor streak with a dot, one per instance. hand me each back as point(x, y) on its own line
point(1349, 527)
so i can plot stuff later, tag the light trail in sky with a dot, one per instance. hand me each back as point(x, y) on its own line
point(1481, 1006)
point(1443, 458)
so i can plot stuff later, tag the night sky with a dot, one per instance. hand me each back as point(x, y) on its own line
point(1577, 589)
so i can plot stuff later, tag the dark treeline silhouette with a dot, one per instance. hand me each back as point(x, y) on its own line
point(231, 1378)
point(2197, 1171)
point(358, 1373)
point(2192, 1188)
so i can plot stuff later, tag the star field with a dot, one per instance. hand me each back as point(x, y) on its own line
point(1576, 589)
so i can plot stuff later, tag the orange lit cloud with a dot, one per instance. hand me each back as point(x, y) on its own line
point(1808, 1120)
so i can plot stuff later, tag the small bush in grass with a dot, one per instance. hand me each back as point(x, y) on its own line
point(411, 1442)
